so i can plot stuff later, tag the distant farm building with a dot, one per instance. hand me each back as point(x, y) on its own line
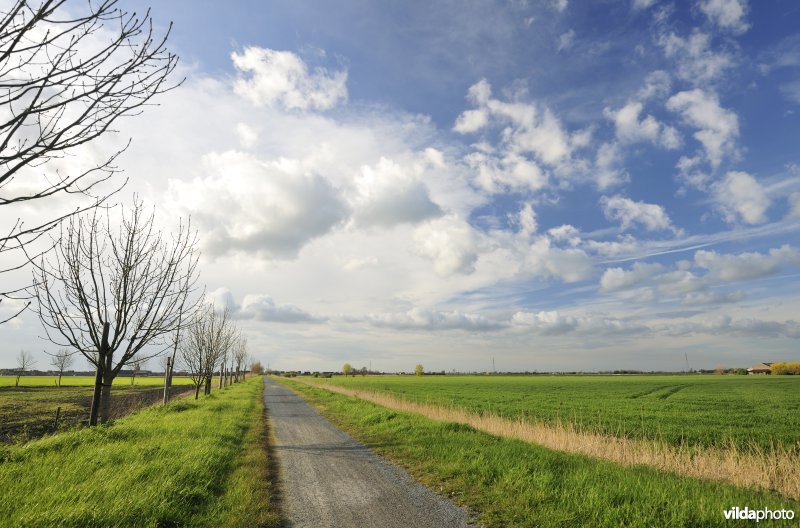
point(760, 368)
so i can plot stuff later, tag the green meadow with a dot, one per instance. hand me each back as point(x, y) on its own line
point(509, 483)
point(704, 410)
point(190, 463)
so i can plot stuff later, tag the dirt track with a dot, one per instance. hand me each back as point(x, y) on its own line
point(329, 479)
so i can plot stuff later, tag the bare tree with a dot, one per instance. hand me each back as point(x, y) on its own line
point(136, 367)
point(108, 289)
point(25, 362)
point(67, 73)
point(205, 345)
point(239, 358)
point(62, 360)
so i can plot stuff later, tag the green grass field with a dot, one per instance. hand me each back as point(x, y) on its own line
point(699, 410)
point(513, 483)
point(191, 463)
point(87, 381)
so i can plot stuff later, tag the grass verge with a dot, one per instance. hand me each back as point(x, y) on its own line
point(190, 463)
point(509, 482)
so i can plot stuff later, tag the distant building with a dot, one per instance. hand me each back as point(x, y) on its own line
point(760, 368)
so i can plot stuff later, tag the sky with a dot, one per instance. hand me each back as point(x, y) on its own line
point(542, 186)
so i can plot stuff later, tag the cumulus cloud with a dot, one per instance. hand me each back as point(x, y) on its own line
point(282, 78)
point(794, 206)
point(259, 308)
point(630, 128)
point(727, 14)
point(511, 172)
point(389, 194)
point(744, 266)
point(555, 323)
point(740, 196)
point(617, 278)
point(421, 319)
point(542, 259)
point(533, 130)
point(608, 171)
point(727, 326)
point(656, 84)
point(717, 127)
point(696, 62)
point(652, 217)
point(643, 4)
point(271, 208)
point(450, 243)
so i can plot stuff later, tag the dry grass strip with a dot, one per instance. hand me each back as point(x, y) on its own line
point(777, 469)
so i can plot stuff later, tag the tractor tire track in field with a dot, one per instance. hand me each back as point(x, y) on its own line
point(329, 479)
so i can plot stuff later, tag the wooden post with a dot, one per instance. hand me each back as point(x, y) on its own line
point(55, 423)
point(166, 380)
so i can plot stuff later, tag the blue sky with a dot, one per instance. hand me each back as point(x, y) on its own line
point(561, 185)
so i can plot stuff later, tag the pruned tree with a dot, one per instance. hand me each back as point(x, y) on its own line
point(68, 72)
point(116, 290)
point(239, 358)
point(25, 362)
point(61, 361)
point(206, 342)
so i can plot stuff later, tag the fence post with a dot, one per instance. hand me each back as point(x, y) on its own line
point(58, 414)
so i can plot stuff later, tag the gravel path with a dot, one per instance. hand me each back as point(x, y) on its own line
point(329, 479)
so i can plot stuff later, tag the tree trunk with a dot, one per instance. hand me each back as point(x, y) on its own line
point(196, 391)
point(98, 378)
point(105, 397)
point(208, 386)
point(166, 381)
point(221, 375)
point(59, 379)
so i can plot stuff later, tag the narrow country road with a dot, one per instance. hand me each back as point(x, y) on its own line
point(329, 479)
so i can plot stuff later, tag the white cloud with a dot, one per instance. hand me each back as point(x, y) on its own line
point(263, 308)
point(568, 265)
point(618, 278)
point(357, 264)
point(556, 323)
point(566, 233)
point(471, 121)
point(794, 206)
point(248, 137)
point(739, 195)
point(706, 298)
point(282, 78)
point(631, 129)
point(652, 217)
point(727, 14)
point(388, 194)
point(258, 307)
point(534, 130)
point(271, 208)
point(607, 166)
point(421, 319)
point(526, 219)
point(696, 62)
point(560, 5)
point(450, 242)
point(565, 40)
point(512, 172)
point(656, 84)
point(643, 4)
point(717, 127)
point(744, 266)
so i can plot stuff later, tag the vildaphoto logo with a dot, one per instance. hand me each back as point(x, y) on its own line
point(748, 514)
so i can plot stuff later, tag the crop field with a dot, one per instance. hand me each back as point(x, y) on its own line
point(28, 411)
point(692, 410)
point(508, 482)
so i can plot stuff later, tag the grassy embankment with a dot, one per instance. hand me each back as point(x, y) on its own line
point(191, 463)
point(509, 482)
point(29, 410)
